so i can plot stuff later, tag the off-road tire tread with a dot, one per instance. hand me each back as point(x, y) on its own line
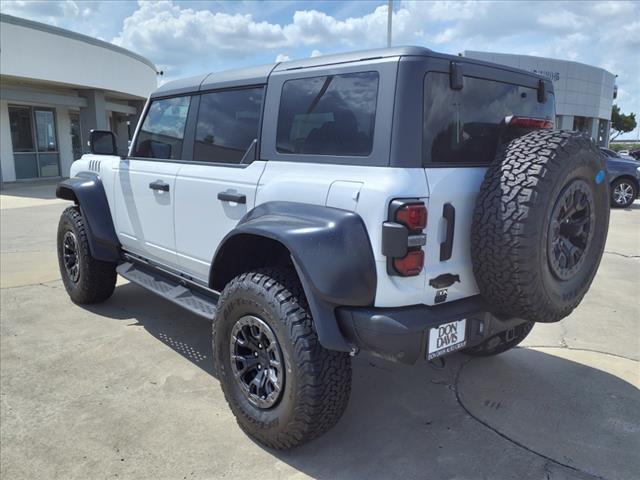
point(97, 278)
point(501, 240)
point(324, 375)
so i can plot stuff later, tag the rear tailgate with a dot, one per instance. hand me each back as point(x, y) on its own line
point(463, 128)
point(448, 250)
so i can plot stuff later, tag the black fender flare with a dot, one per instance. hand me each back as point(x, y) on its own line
point(331, 251)
point(87, 191)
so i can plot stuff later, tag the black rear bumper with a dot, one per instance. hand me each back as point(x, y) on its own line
point(401, 334)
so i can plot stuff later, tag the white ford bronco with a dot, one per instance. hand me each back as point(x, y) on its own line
point(397, 201)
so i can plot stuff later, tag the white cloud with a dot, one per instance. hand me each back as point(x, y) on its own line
point(282, 58)
point(315, 53)
point(189, 39)
point(47, 11)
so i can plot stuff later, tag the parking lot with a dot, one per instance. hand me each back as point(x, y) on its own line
point(126, 390)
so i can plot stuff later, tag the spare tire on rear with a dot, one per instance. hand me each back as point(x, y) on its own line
point(540, 224)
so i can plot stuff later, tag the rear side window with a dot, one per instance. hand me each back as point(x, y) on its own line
point(162, 131)
point(227, 124)
point(329, 115)
point(465, 126)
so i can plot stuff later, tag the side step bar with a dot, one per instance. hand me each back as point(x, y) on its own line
point(170, 288)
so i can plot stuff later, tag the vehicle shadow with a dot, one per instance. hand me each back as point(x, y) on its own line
point(185, 333)
point(524, 414)
point(634, 206)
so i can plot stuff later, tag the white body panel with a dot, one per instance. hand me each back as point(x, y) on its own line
point(458, 186)
point(373, 187)
point(201, 220)
point(144, 218)
point(183, 228)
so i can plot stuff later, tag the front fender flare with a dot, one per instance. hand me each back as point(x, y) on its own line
point(87, 191)
point(331, 252)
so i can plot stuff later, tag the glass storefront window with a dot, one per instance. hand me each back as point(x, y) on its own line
point(21, 133)
point(45, 131)
point(34, 140)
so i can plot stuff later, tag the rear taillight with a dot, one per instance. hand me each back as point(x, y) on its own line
point(412, 216)
point(411, 264)
point(528, 122)
point(403, 237)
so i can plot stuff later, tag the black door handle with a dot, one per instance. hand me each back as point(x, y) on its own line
point(159, 185)
point(232, 197)
point(446, 247)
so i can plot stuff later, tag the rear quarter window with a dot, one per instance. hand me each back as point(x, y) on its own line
point(465, 126)
point(328, 115)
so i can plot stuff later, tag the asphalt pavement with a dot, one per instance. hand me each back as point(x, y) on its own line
point(125, 389)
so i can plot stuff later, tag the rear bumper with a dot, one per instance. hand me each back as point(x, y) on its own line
point(401, 334)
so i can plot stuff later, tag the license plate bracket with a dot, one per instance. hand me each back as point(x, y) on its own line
point(446, 338)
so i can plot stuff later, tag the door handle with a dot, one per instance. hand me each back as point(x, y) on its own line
point(232, 197)
point(446, 247)
point(159, 185)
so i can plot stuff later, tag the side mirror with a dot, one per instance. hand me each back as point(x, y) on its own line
point(102, 142)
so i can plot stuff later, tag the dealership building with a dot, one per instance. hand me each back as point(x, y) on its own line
point(56, 86)
point(584, 94)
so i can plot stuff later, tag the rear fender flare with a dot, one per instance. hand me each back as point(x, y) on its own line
point(330, 250)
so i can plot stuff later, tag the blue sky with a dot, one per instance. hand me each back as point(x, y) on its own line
point(188, 37)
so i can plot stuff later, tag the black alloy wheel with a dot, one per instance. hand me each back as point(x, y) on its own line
point(256, 361)
point(70, 255)
point(571, 229)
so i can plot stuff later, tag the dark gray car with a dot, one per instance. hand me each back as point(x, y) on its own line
point(624, 175)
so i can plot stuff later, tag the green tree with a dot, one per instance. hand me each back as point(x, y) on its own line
point(621, 123)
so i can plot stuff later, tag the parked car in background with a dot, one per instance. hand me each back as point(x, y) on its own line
point(635, 154)
point(624, 178)
point(624, 152)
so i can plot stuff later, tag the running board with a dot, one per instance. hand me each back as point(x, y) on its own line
point(170, 288)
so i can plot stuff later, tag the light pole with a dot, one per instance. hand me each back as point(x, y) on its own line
point(389, 18)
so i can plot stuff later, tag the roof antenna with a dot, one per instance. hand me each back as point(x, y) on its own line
point(389, 18)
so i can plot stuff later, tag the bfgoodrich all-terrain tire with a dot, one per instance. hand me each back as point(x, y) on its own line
point(540, 225)
point(86, 279)
point(283, 387)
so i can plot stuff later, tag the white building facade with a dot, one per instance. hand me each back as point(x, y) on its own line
point(56, 86)
point(584, 94)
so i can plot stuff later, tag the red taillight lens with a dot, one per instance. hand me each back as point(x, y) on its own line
point(527, 122)
point(414, 217)
point(411, 264)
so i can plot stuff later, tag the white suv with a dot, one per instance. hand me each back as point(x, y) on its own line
point(397, 201)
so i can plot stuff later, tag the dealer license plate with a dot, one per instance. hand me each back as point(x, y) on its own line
point(447, 338)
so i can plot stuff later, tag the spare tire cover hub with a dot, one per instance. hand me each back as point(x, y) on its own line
point(571, 229)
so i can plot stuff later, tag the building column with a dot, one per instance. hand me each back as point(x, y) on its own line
point(7, 167)
point(607, 134)
point(65, 149)
point(594, 130)
point(565, 123)
point(94, 115)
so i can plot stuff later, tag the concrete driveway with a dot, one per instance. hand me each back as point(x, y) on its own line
point(125, 389)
